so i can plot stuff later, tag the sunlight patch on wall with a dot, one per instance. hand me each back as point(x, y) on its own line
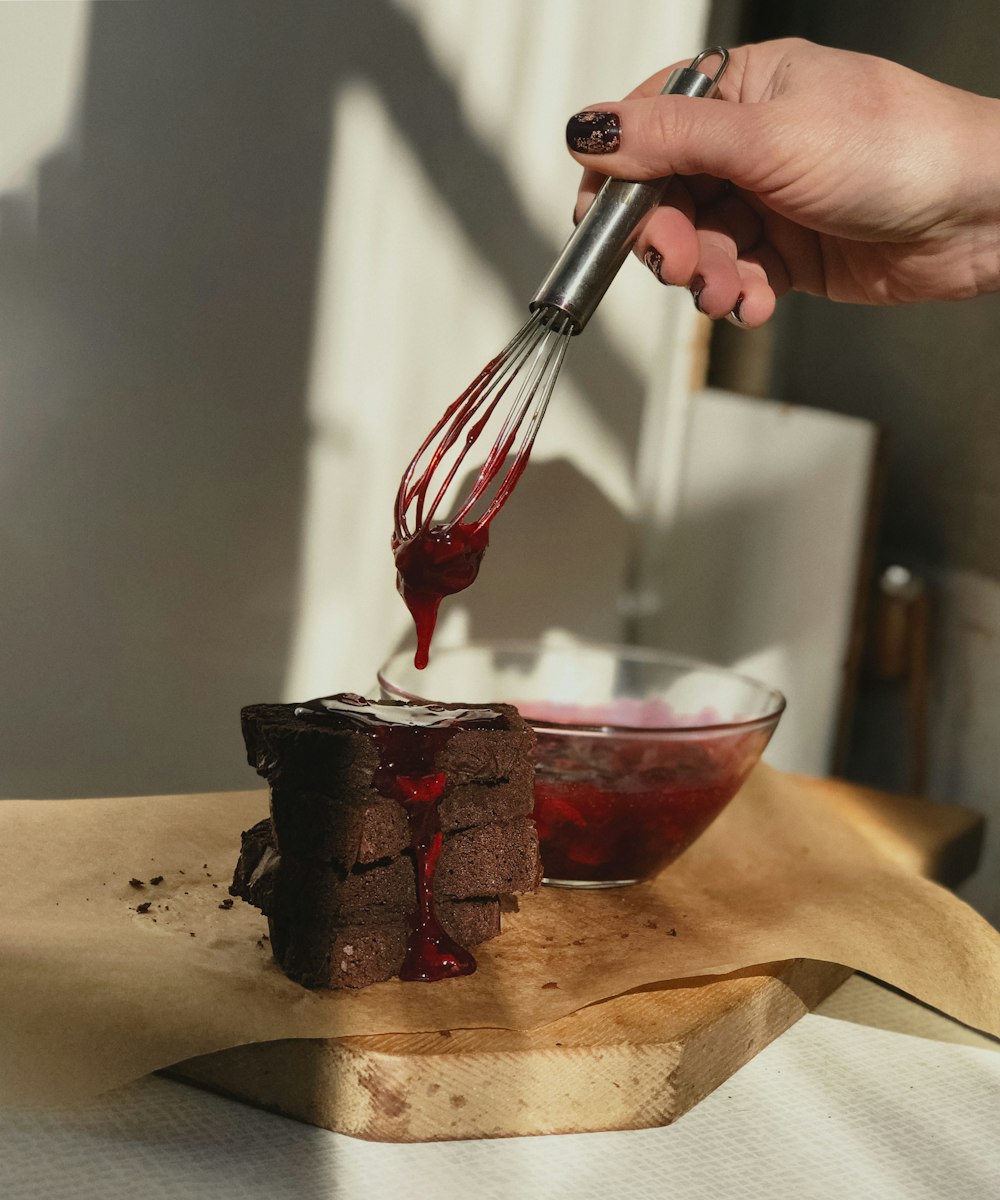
point(522, 68)
point(42, 60)
point(407, 314)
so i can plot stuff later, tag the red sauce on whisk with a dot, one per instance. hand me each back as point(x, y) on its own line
point(441, 558)
point(432, 564)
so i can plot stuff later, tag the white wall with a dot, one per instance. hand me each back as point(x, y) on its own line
point(42, 58)
point(420, 284)
point(247, 254)
point(758, 568)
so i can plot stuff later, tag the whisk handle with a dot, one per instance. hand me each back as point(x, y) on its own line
point(602, 241)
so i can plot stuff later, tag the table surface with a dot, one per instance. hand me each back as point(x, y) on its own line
point(870, 1096)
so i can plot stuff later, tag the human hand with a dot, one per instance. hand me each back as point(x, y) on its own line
point(821, 170)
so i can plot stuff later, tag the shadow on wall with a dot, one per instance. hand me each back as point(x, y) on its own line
point(155, 339)
point(155, 332)
point(568, 548)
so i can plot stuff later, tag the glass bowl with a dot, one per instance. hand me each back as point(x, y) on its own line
point(638, 751)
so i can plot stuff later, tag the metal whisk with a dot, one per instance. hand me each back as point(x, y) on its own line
point(526, 369)
point(531, 360)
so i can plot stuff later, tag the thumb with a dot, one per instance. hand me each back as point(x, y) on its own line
point(652, 136)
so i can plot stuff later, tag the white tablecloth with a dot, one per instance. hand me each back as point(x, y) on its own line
point(872, 1096)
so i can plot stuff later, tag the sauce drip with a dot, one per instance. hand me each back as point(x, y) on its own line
point(439, 560)
point(408, 739)
point(430, 953)
point(432, 564)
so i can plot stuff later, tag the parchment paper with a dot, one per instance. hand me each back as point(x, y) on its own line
point(94, 993)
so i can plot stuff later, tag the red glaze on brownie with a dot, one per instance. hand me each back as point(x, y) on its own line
point(408, 739)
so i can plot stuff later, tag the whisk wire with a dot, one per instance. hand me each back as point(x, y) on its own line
point(562, 306)
point(494, 376)
point(454, 414)
point(532, 357)
point(511, 361)
point(549, 349)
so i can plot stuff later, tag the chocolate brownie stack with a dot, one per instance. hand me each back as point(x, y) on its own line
point(333, 868)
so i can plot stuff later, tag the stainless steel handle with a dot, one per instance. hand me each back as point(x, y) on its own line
point(602, 241)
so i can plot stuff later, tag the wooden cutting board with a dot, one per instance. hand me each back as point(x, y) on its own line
point(638, 1060)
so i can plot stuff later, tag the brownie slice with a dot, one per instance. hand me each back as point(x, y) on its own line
point(486, 861)
point(318, 954)
point(489, 859)
point(309, 754)
point(338, 828)
point(472, 804)
point(322, 956)
point(331, 829)
point(278, 884)
point(470, 921)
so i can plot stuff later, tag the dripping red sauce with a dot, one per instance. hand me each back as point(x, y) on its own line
point(432, 564)
point(439, 560)
point(406, 772)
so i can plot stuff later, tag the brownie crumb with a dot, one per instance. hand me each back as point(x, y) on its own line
point(192, 934)
point(671, 932)
point(180, 872)
point(144, 907)
point(215, 885)
point(226, 904)
point(551, 984)
point(136, 883)
point(444, 1033)
point(156, 880)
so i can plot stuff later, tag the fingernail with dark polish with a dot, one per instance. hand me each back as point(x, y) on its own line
point(594, 132)
point(736, 316)
point(654, 260)
point(696, 287)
